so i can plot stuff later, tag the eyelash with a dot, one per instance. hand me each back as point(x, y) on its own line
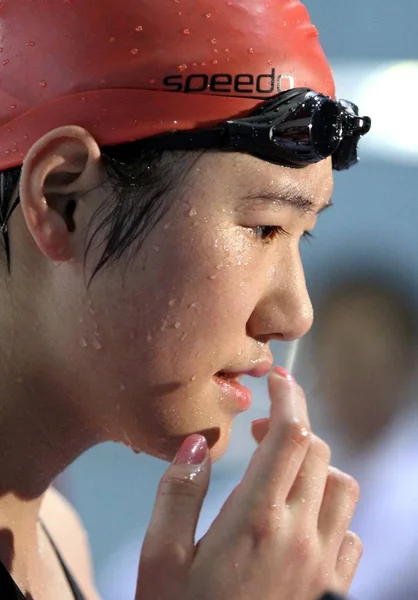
point(277, 231)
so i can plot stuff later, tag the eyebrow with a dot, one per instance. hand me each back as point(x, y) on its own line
point(287, 196)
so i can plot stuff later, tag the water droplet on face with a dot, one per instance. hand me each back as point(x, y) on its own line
point(172, 302)
point(212, 277)
point(43, 83)
point(193, 305)
point(186, 31)
point(134, 51)
point(203, 64)
point(177, 325)
point(112, 40)
point(92, 312)
point(182, 67)
point(192, 212)
point(6, 62)
point(139, 28)
point(156, 248)
point(226, 49)
point(152, 81)
point(183, 337)
point(215, 62)
point(218, 267)
point(269, 62)
point(250, 50)
point(83, 342)
point(31, 44)
point(97, 345)
point(149, 336)
point(123, 388)
point(215, 50)
point(229, 3)
point(213, 41)
point(193, 378)
point(208, 15)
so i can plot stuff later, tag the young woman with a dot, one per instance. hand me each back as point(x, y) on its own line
point(160, 162)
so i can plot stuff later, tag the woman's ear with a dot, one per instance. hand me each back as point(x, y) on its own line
point(62, 166)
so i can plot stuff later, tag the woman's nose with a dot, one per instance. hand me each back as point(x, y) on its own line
point(284, 312)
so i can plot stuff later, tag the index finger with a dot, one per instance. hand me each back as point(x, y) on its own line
point(261, 427)
point(277, 461)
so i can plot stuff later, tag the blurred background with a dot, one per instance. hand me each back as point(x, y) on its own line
point(358, 366)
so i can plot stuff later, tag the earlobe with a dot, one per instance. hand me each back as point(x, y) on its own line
point(60, 167)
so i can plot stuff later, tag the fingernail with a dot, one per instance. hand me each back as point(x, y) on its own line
point(283, 373)
point(259, 421)
point(193, 451)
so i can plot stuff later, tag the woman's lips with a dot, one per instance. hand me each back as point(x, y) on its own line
point(230, 385)
point(240, 394)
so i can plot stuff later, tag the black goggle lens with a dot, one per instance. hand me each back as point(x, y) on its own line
point(313, 130)
point(318, 128)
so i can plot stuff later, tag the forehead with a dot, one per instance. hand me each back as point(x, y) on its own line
point(245, 176)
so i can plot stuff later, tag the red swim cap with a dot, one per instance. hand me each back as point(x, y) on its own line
point(129, 69)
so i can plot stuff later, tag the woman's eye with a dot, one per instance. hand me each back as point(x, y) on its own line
point(267, 233)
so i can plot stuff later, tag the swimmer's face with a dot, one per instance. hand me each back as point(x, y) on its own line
point(212, 285)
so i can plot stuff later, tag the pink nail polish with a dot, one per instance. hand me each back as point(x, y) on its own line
point(257, 422)
point(193, 451)
point(283, 373)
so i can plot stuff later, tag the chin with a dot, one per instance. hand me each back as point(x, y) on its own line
point(218, 449)
point(166, 447)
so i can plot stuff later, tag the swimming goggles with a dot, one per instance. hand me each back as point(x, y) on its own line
point(295, 128)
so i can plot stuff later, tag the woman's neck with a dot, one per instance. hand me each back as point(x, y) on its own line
point(39, 437)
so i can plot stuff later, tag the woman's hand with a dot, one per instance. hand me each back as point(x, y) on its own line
point(281, 535)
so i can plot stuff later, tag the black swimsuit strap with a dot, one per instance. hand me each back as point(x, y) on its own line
point(71, 581)
point(10, 591)
point(8, 588)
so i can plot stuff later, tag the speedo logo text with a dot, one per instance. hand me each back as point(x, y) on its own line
point(225, 83)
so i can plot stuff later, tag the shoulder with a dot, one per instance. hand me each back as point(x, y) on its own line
point(66, 529)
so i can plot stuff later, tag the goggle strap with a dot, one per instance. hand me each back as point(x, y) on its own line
point(194, 139)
